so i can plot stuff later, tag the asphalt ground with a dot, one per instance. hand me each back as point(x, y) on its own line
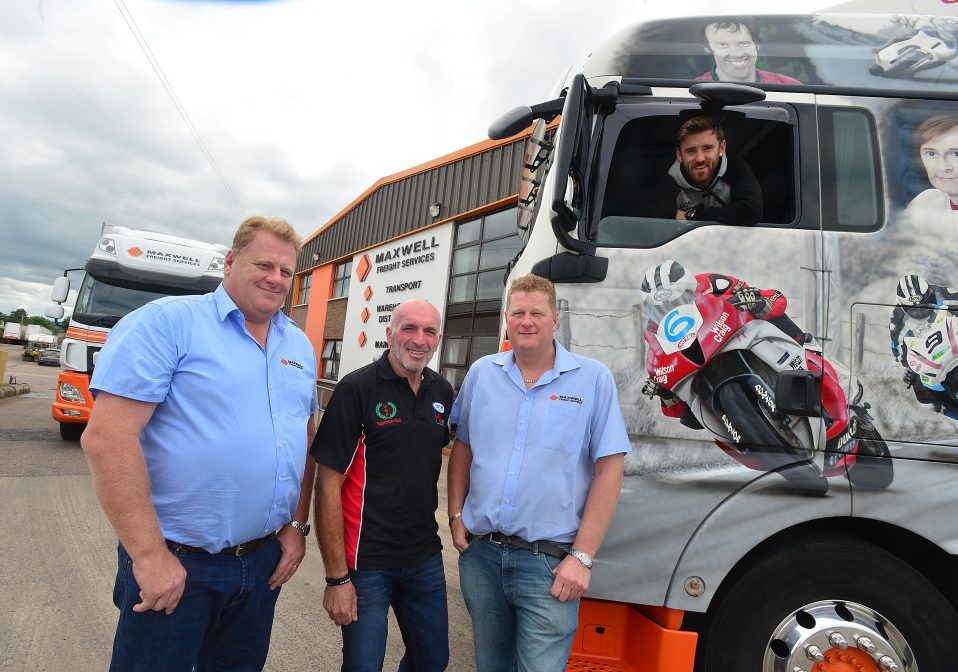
point(58, 558)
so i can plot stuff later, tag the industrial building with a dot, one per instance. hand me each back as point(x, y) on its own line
point(443, 231)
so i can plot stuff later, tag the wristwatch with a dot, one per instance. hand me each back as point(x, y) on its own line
point(302, 527)
point(584, 558)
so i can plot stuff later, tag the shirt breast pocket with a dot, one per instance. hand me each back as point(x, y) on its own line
point(561, 428)
point(298, 398)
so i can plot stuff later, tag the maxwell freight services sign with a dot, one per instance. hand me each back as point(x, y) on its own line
point(414, 267)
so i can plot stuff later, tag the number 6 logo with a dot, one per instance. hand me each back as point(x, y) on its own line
point(676, 326)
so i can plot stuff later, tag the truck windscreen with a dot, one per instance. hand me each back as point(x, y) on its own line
point(107, 299)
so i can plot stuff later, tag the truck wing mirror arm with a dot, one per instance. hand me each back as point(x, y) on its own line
point(519, 118)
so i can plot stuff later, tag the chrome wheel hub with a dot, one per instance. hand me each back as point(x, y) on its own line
point(834, 634)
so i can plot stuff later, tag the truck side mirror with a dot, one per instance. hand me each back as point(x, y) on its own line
point(799, 393)
point(54, 312)
point(61, 288)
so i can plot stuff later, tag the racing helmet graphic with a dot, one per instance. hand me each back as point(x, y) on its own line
point(667, 281)
point(915, 297)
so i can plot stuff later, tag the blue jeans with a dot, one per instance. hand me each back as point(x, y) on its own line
point(223, 621)
point(517, 625)
point(417, 594)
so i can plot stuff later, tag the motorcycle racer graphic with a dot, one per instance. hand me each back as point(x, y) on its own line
point(924, 340)
point(715, 348)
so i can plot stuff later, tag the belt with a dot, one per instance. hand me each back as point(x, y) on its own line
point(240, 549)
point(547, 547)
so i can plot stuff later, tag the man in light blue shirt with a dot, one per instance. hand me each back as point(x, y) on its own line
point(534, 477)
point(197, 449)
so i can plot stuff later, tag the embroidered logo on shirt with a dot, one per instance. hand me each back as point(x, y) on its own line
point(386, 411)
point(439, 418)
point(439, 407)
point(563, 397)
point(289, 362)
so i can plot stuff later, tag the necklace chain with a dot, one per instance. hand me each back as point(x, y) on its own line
point(530, 382)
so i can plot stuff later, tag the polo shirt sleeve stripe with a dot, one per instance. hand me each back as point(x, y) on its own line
point(353, 498)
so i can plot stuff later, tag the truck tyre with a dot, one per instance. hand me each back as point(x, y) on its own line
point(780, 613)
point(71, 431)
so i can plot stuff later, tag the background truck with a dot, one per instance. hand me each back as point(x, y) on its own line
point(127, 269)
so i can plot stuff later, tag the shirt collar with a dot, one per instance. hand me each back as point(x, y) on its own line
point(225, 306)
point(387, 372)
point(565, 361)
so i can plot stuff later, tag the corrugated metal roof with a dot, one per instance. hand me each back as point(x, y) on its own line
point(465, 183)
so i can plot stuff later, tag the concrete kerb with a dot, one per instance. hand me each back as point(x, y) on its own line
point(13, 389)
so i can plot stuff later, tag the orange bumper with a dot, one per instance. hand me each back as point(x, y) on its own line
point(73, 411)
point(618, 637)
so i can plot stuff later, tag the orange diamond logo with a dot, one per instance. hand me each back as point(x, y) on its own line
point(134, 251)
point(368, 292)
point(362, 338)
point(363, 268)
point(364, 316)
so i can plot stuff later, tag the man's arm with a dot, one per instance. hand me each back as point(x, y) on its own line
point(291, 541)
point(339, 601)
point(111, 442)
point(745, 208)
point(663, 204)
point(457, 486)
point(572, 579)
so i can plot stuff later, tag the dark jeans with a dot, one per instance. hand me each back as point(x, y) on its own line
point(223, 621)
point(418, 597)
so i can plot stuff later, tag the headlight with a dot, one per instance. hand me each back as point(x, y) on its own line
point(71, 393)
point(217, 264)
point(107, 245)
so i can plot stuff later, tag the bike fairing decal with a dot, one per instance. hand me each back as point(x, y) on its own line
point(679, 327)
point(720, 329)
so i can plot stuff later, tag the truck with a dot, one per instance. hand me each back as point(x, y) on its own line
point(14, 332)
point(127, 269)
point(788, 502)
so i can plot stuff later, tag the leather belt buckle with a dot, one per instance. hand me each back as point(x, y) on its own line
point(240, 549)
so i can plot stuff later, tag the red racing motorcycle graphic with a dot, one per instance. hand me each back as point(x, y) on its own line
point(714, 349)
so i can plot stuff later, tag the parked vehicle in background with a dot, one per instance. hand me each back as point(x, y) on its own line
point(14, 332)
point(127, 269)
point(723, 562)
point(49, 357)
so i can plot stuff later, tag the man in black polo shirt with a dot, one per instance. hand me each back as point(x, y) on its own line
point(379, 453)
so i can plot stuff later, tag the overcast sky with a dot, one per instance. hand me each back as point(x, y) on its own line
point(303, 104)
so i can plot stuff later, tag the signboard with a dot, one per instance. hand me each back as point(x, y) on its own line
point(414, 267)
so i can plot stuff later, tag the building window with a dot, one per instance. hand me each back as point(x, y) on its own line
point(482, 251)
point(341, 281)
point(304, 285)
point(332, 352)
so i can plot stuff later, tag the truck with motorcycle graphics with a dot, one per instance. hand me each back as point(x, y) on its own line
point(787, 502)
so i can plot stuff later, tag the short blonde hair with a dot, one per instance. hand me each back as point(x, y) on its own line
point(274, 225)
point(533, 283)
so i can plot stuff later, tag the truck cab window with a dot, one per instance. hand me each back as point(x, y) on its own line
point(757, 154)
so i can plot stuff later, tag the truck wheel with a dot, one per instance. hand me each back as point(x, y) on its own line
point(830, 605)
point(71, 431)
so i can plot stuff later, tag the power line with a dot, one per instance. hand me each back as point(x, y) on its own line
point(158, 70)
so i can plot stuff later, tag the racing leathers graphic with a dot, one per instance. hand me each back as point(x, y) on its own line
point(906, 321)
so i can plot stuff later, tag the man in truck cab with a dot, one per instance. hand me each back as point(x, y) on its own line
point(703, 184)
point(197, 449)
